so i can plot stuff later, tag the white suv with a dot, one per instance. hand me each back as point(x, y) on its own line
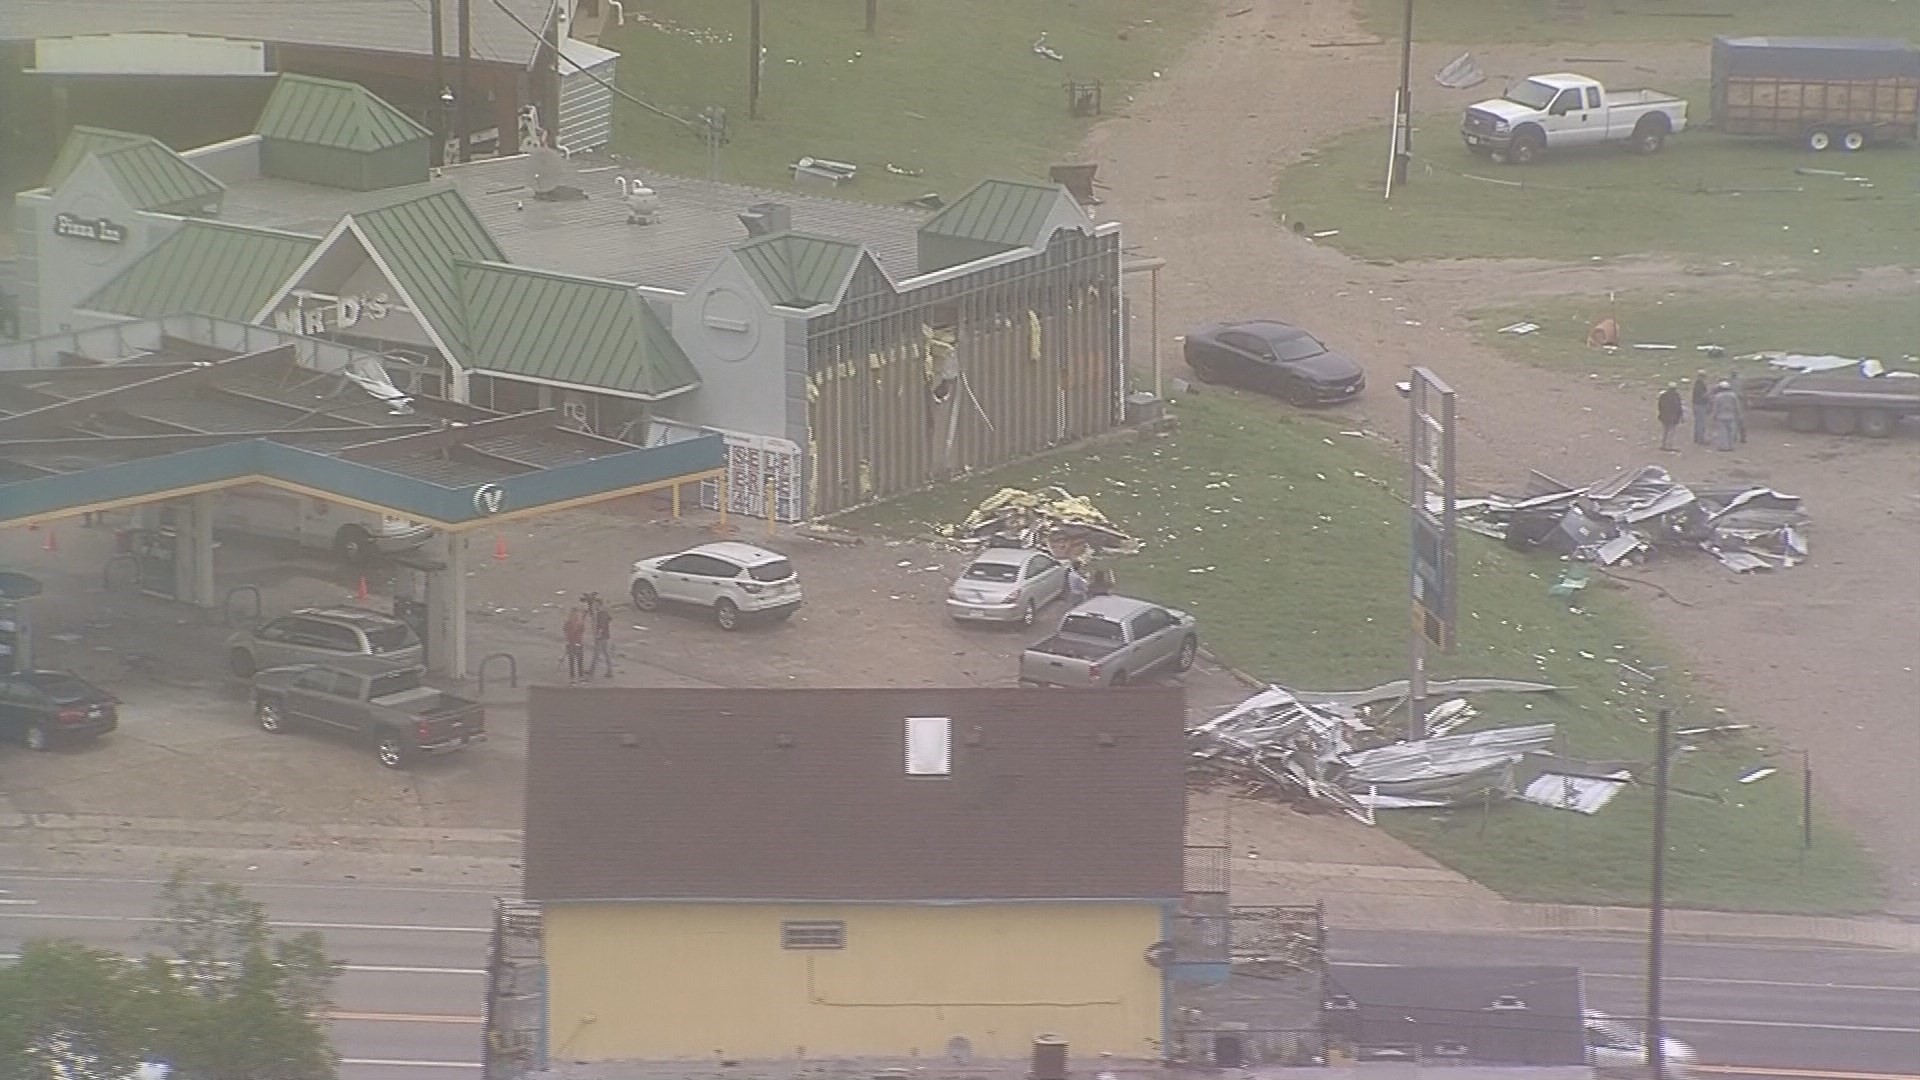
point(732, 580)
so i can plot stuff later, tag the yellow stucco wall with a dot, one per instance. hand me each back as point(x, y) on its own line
point(686, 980)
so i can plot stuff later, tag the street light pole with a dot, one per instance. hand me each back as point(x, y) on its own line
point(1403, 113)
point(1657, 901)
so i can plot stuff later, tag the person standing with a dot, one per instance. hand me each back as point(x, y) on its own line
point(575, 632)
point(1076, 586)
point(1740, 414)
point(1702, 405)
point(1724, 415)
point(1671, 412)
point(602, 637)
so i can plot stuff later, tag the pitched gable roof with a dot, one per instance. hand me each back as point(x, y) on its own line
point(569, 331)
point(1008, 213)
point(418, 239)
point(799, 270)
point(331, 113)
point(83, 142)
point(206, 268)
point(656, 793)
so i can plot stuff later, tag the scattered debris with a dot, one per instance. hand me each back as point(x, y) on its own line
point(1803, 362)
point(1279, 742)
point(1324, 233)
point(1461, 73)
point(1651, 346)
point(1760, 773)
point(1569, 791)
point(1041, 48)
point(1519, 328)
point(1637, 512)
point(899, 171)
point(1604, 334)
point(1050, 518)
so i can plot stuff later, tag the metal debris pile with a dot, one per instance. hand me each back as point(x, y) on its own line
point(1326, 748)
point(1640, 511)
point(1050, 519)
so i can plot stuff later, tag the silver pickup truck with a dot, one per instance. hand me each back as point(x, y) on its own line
point(1111, 641)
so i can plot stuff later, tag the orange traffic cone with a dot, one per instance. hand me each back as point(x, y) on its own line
point(51, 543)
point(360, 593)
point(500, 548)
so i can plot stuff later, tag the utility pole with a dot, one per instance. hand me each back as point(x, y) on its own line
point(753, 59)
point(1657, 902)
point(462, 117)
point(439, 88)
point(1403, 111)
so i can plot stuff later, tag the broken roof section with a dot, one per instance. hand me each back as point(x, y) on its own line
point(996, 216)
point(575, 332)
point(205, 268)
point(798, 270)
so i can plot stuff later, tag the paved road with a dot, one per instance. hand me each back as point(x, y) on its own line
point(408, 1004)
point(1788, 1011)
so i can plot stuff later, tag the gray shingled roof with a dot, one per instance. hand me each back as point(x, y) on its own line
point(401, 26)
point(698, 224)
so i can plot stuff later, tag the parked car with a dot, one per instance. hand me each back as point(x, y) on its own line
point(731, 580)
point(1563, 111)
point(322, 634)
point(1822, 92)
point(1006, 585)
point(47, 708)
point(1272, 357)
point(1619, 1049)
point(387, 705)
point(271, 513)
point(1111, 641)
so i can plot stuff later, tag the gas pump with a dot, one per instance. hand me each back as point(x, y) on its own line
point(16, 624)
point(155, 550)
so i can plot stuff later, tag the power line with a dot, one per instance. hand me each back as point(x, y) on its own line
point(698, 129)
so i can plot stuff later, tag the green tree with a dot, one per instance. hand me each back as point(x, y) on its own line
point(223, 998)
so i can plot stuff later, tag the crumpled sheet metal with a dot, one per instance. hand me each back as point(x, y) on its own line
point(1644, 510)
point(1396, 691)
point(1277, 739)
point(1050, 518)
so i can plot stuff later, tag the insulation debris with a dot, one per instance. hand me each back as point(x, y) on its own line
point(1049, 518)
point(1328, 751)
point(1640, 512)
point(1581, 794)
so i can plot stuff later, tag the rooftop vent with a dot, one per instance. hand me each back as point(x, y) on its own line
point(767, 219)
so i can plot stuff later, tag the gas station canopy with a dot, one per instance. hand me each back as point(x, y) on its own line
point(138, 412)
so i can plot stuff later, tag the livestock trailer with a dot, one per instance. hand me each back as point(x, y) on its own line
point(1821, 92)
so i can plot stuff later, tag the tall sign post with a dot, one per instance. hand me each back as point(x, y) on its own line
point(1430, 500)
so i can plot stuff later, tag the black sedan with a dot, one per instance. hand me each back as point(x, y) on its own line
point(1273, 358)
point(46, 708)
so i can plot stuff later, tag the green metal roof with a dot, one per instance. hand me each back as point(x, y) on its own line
point(81, 142)
point(557, 328)
point(206, 268)
point(419, 238)
point(797, 270)
point(341, 115)
point(150, 175)
point(1009, 212)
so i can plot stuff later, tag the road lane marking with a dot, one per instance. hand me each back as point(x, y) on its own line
point(1800, 1073)
point(1641, 977)
point(1796, 1024)
point(408, 1063)
point(403, 1018)
point(394, 928)
point(375, 969)
point(10, 902)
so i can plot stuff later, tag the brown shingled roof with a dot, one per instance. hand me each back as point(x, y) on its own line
point(654, 794)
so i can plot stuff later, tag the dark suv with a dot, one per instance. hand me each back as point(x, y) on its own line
point(318, 635)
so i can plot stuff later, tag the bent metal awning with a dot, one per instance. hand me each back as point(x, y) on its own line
point(130, 414)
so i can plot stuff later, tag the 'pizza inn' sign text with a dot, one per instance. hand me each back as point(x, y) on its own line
point(98, 229)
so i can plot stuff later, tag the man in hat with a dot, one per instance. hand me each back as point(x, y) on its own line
point(1671, 412)
point(1740, 417)
point(1724, 416)
point(1702, 402)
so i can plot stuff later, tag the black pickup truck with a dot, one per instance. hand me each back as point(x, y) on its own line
point(386, 705)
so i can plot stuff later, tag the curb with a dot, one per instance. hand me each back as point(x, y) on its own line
point(95, 829)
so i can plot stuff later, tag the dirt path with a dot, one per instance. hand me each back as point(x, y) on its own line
point(1824, 655)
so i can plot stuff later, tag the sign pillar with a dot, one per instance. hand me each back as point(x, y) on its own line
point(1431, 507)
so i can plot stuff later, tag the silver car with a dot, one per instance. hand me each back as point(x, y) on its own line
point(318, 635)
point(1006, 585)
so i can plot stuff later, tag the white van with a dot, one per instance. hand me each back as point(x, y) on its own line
point(354, 534)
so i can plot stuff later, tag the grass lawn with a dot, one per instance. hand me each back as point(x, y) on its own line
point(1481, 22)
point(952, 90)
point(1886, 328)
point(1712, 198)
point(1287, 539)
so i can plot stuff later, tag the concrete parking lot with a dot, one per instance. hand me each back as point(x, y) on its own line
point(188, 749)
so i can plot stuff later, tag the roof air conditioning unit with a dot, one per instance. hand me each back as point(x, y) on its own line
point(767, 219)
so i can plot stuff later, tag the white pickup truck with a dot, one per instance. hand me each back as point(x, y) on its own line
point(1561, 111)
